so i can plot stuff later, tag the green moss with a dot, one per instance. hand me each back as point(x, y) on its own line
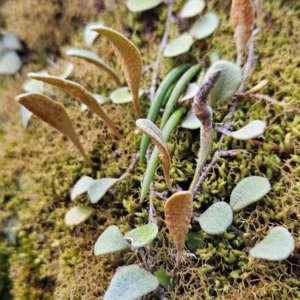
point(5, 283)
point(39, 167)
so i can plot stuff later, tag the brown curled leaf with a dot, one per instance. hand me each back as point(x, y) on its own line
point(242, 18)
point(130, 59)
point(55, 115)
point(178, 214)
point(80, 93)
point(149, 128)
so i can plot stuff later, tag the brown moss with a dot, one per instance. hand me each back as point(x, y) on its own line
point(39, 166)
point(39, 23)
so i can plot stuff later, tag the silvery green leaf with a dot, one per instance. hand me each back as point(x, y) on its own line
point(99, 188)
point(93, 58)
point(205, 26)
point(217, 218)
point(277, 245)
point(99, 98)
point(10, 63)
point(12, 230)
point(142, 236)
point(142, 5)
point(250, 131)
point(214, 56)
point(25, 115)
point(12, 42)
point(34, 86)
point(26, 184)
point(111, 240)
point(227, 83)
point(78, 214)
point(179, 45)
point(68, 71)
point(89, 35)
point(191, 8)
point(190, 92)
point(81, 186)
point(123, 95)
point(2, 48)
point(131, 283)
point(248, 191)
point(190, 121)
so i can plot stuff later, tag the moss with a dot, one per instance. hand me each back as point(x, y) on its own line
point(39, 166)
point(5, 283)
point(42, 31)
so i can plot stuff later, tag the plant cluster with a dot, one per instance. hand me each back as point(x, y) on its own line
point(176, 96)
